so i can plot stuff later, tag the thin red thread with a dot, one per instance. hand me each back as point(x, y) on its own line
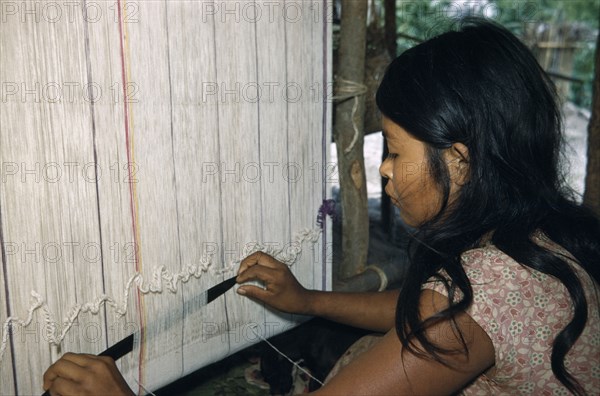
point(131, 197)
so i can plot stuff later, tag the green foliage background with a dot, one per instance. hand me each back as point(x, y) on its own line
point(423, 19)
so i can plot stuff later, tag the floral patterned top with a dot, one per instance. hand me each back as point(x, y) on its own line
point(522, 311)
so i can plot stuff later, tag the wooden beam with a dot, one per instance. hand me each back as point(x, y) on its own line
point(349, 136)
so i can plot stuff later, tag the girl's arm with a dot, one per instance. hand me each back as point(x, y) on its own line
point(388, 370)
point(372, 311)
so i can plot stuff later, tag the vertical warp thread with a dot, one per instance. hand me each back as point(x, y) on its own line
point(129, 142)
point(5, 328)
point(95, 151)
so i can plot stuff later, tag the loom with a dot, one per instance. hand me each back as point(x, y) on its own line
point(145, 148)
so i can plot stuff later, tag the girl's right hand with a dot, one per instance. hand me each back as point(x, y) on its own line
point(83, 374)
point(282, 291)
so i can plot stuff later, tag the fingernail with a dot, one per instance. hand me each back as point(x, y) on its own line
point(241, 291)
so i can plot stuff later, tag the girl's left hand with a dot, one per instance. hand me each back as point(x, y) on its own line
point(282, 290)
point(81, 374)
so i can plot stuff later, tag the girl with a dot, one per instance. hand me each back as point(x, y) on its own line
point(501, 296)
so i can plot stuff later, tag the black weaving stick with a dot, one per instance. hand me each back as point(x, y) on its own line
point(125, 346)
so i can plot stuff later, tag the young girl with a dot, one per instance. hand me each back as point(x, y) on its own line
point(501, 296)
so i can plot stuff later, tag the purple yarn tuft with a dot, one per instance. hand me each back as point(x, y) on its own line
point(326, 209)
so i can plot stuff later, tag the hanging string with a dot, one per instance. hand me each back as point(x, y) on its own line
point(161, 279)
point(346, 89)
point(252, 327)
point(143, 388)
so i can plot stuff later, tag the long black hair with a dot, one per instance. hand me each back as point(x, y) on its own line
point(482, 87)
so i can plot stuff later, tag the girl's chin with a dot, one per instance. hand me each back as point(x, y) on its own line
point(406, 218)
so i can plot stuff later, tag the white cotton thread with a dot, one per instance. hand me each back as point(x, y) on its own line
point(54, 353)
point(144, 388)
point(383, 279)
point(350, 89)
point(356, 132)
point(253, 326)
point(161, 279)
point(8, 324)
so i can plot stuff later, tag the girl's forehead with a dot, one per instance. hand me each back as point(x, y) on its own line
point(389, 128)
point(394, 132)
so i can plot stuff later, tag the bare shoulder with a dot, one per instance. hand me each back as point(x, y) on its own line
point(386, 369)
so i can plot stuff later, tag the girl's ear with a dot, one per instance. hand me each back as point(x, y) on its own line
point(457, 158)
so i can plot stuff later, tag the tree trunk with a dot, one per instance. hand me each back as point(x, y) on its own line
point(349, 118)
point(591, 196)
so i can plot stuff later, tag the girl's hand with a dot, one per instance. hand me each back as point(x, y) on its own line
point(81, 374)
point(282, 291)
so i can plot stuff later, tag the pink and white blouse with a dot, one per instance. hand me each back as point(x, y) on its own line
point(522, 310)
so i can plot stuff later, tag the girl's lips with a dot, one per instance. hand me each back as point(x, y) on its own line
point(388, 193)
point(394, 200)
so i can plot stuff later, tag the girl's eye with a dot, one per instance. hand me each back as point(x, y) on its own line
point(392, 156)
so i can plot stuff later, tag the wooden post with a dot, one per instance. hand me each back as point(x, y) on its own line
point(349, 136)
point(591, 196)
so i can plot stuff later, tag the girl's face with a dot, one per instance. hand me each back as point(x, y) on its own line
point(410, 185)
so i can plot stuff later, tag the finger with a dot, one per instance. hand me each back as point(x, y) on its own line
point(48, 377)
point(63, 386)
point(261, 258)
point(107, 360)
point(257, 272)
point(68, 366)
point(81, 359)
point(249, 261)
point(102, 365)
point(65, 369)
point(254, 292)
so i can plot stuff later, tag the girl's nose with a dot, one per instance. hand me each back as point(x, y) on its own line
point(386, 169)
